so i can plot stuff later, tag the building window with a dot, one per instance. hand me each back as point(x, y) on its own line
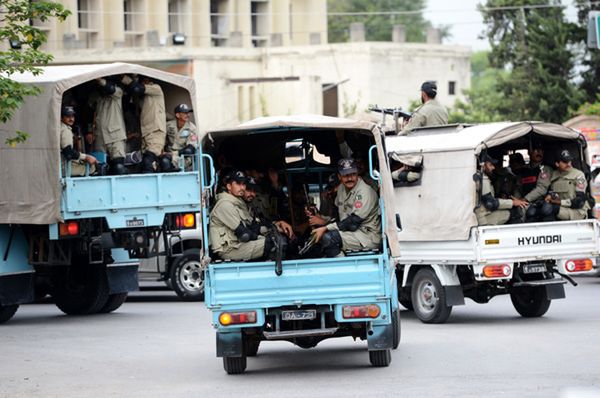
point(176, 14)
point(85, 14)
point(133, 15)
point(218, 22)
point(451, 88)
point(259, 22)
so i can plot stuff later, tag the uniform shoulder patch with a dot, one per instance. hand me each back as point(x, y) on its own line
point(358, 204)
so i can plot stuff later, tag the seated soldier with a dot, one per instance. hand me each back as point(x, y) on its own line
point(566, 198)
point(232, 236)
point(359, 226)
point(261, 222)
point(68, 151)
point(493, 211)
point(181, 139)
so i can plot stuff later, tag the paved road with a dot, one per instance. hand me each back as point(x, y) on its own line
point(156, 346)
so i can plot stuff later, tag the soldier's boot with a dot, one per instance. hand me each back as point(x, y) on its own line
point(532, 213)
point(516, 216)
point(331, 242)
point(166, 164)
point(549, 211)
point(117, 167)
point(149, 162)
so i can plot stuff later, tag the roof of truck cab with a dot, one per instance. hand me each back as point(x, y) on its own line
point(73, 75)
point(271, 123)
point(459, 137)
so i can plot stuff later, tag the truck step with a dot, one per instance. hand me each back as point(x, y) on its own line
point(544, 282)
point(299, 333)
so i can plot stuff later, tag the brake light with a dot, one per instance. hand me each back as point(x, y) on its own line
point(579, 265)
point(361, 311)
point(236, 318)
point(185, 220)
point(496, 271)
point(70, 228)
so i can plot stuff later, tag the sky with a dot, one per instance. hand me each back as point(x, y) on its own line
point(465, 21)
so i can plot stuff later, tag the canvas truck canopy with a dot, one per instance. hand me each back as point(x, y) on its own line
point(441, 206)
point(319, 122)
point(31, 191)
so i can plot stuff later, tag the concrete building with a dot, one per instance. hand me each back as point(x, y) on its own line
point(259, 57)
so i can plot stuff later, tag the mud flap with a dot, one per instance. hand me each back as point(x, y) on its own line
point(229, 344)
point(380, 337)
point(122, 278)
point(16, 288)
point(555, 291)
point(454, 296)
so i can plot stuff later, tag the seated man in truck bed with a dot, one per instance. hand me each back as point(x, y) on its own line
point(231, 231)
point(493, 211)
point(77, 159)
point(359, 224)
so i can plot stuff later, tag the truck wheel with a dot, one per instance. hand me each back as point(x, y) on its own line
point(380, 358)
point(429, 298)
point(84, 290)
point(187, 277)
point(7, 312)
point(396, 326)
point(113, 303)
point(234, 365)
point(530, 302)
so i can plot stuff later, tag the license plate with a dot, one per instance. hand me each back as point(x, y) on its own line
point(134, 223)
point(299, 315)
point(533, 268)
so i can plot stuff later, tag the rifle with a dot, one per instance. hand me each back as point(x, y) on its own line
point(311, 207)
point(394, 112)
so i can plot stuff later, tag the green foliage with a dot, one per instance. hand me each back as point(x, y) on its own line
point(15, 17)
point(589, 59)
point(378, 27)
point(533, 44)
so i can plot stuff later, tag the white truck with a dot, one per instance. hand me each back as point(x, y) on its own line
point(444, 256)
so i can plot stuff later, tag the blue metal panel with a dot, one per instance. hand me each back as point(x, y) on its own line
point(16, 255)
point(316, 281)
point(147, 197)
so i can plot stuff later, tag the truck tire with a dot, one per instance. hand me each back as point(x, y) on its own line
point(187, 277)
point(113, 303)
point(380, 358)
point(406, 303)
point(7, 312)
point(234, 365)
point(530, 302)
point(396, 326)
point(429, 298)
point(84, 290)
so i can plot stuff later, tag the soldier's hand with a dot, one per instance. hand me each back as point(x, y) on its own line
point(519, 203)
point(319, 232)
point(285, 228)
point(316, 220)
point(91, 160)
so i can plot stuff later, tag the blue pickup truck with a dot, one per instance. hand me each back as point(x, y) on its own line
point(79, 238)
point(311, 299)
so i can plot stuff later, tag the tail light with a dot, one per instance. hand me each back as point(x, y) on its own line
point(237, 318)
point(361, 311)
point(579, 265)
point(496, 271)
point(185, 221)
point(70, 228)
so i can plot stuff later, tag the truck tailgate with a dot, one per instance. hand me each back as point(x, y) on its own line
point(317, 281)
point(531, 241)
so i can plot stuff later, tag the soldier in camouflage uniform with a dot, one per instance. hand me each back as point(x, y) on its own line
point(566, 199)
point(431, 113)
point(181, 138)
point(76, 158)
point(493, 211)
point(359, 225)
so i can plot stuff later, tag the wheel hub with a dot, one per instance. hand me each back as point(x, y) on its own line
point(428, 296)
point(191, 276)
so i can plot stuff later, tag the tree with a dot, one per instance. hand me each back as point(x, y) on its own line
point(589, 59)
point(16, 28)
point(532, 44)
point(378, 27)
point(484, 102)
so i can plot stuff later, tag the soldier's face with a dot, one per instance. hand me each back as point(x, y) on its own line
point(537, 155)
point(488, 168)
point(68, 119)
point(249, 195)
point(563, 166)
point(182, 116)
point(349, 180)
point(236, 189)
